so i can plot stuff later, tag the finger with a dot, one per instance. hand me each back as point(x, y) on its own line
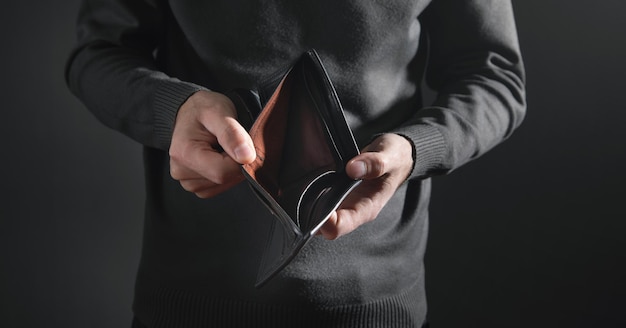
point(329, 228)
point(214, 191)
point(180, 172)
point(197, 185)
point(344, 221)
point(361, 206)
point(202, 159)
point(341, 223)
point(231, 136)
point(206, 189)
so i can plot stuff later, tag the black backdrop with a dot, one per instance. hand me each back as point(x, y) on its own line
point(532, 234)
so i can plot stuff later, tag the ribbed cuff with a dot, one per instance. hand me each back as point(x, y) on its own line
point(429, 148)
point(170, 95)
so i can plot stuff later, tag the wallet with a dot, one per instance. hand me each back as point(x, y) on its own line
point(303, 144)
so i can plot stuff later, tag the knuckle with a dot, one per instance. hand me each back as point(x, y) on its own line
point(178, 152)
point(224, 177)
point(372, 216)
point(332, 235)
point(206, 116)
point(174, 153)
point(175, 171)
point(367, 211)
point(380, 165)
point(331, 232)
point(194, 186)
point(185, 155)
point(219, 179)
point(203, 194)
point(187, 186)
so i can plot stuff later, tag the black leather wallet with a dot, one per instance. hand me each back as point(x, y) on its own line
point(303, 144)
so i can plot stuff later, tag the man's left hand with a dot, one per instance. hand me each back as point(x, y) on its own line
point(383, 166)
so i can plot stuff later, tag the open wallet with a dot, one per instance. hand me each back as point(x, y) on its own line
point(303, 144)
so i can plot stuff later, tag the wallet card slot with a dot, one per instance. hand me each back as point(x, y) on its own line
point(292, 193)
point(309, 200)
point(322, 112)
point(268, 135)
point(320, 87)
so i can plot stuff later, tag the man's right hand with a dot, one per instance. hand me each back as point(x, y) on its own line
point(208, 145)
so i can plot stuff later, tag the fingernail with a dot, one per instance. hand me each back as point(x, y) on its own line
point(359, 169)
point(243, 152)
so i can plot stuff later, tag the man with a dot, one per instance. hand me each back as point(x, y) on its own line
point(156, 70)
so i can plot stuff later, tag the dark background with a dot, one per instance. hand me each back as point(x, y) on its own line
point(530, 235)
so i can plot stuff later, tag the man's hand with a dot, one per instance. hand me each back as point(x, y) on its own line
point(383, 166)
point(208, 144)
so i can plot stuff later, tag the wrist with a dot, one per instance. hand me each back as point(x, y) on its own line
point(169, 98)
point(429, 148)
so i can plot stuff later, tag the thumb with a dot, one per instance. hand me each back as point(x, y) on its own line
point(368, 165)
point(236, 141)
point(222, 122)
point(389, 153)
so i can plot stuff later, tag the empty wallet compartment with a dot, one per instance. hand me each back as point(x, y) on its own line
point(303, 144)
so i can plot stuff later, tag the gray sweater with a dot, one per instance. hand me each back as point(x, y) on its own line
point(137, 61)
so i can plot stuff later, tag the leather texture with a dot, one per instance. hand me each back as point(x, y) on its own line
point(303, 144)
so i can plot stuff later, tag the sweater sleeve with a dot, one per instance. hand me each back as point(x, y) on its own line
point(476, 69)
point(112, 69)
